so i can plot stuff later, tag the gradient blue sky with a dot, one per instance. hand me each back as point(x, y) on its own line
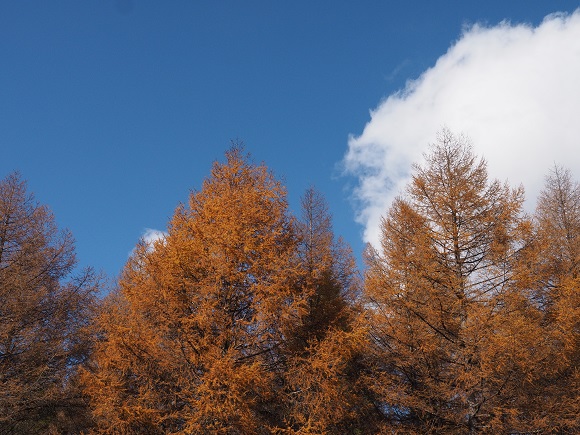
point(114, 109)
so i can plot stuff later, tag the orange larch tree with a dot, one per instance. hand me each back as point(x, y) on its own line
point(192, 340)
point(44, 309)
point(328, 274)
point(555, 285)
point(451, 335)
point(323, 350)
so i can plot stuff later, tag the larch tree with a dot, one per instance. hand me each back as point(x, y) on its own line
point(328, 271)
point(558, 218)
point(555, 269)
point(322, 350)
point(192, 340)
point(44, 311)
point(451, 334)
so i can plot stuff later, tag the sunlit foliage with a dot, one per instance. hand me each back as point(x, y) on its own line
point(44, 310)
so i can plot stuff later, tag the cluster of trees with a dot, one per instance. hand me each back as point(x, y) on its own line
point(245, 319)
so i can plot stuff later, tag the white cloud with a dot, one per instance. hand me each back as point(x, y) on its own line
point(513, 89)
point(149, 237)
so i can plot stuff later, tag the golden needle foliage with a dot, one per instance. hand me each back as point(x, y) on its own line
point(453, 336)
point(192, 337)
point(43, 314)
point(245, 320)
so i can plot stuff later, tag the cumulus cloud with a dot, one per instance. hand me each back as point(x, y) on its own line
point(513, 89)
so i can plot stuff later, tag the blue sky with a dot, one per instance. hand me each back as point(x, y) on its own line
point(114, 109)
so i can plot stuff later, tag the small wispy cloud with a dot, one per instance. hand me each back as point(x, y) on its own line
point(149, 237)
point(513, 89)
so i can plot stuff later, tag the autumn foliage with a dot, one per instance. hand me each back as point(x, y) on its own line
point(44, 309)
point(205, 323)
point(452, 333)
point(192, 342)
point(246, 319)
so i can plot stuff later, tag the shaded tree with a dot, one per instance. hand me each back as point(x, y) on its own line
point(558, 219)
point(323, 350)
point(44, 311)
point(328, 274)
point(554, 285)
point(452, 336)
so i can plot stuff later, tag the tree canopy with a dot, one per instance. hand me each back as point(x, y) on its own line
point(246, 319)
point(454, 336)
point(44, 309)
